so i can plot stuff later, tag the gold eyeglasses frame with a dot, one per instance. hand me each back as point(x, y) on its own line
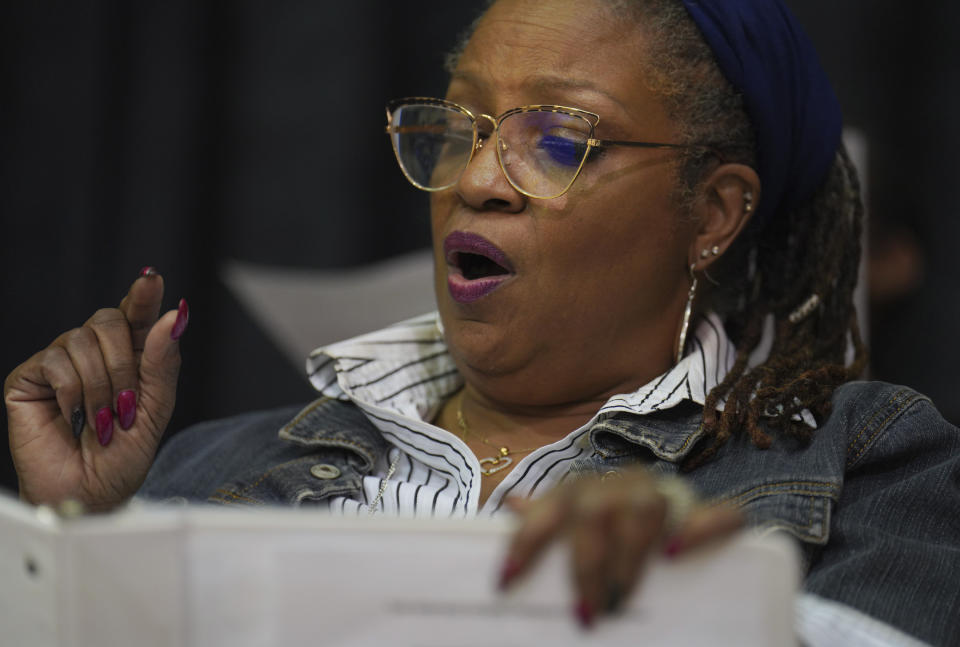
point(591, 118)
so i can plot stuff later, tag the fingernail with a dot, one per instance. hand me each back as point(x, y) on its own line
point(614, 598)
point(126, 408)
point(510, 569)
point(149, 270)
point(673, 547)
point(77, 420)
point(104, 426)
point(584, 613)
point(183, 316)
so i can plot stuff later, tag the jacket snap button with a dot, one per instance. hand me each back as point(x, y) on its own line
point(325, 471)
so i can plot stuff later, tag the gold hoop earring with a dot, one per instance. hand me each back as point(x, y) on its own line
point(685, 324)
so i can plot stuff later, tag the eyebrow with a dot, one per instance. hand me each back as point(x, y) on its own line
point(544, 82)
point(558, 82)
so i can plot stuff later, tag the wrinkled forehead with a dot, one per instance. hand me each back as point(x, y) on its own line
point(565, 32)
point(521, 47)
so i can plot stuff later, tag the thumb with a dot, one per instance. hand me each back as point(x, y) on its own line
point(518, 505)
point(160, 365)
point(703, 526)
point(141, 305)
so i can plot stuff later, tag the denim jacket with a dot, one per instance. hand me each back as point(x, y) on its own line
point(874, 498)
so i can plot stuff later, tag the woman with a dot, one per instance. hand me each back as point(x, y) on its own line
point(644, 271)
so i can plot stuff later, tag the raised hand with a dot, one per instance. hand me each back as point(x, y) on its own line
point(85, 415)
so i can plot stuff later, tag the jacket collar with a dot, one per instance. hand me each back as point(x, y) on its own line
point(327, 422)
point(669, 435)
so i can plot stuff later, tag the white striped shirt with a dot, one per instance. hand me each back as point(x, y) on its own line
point(401, 376)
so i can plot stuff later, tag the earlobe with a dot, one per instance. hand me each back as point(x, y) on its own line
point(730, 196)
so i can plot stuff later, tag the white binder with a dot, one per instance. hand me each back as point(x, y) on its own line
point(204, 576)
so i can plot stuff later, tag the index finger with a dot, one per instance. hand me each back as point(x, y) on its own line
point(540, 522)
point(142, 304)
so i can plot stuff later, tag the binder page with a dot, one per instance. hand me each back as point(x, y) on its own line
point(425, 584)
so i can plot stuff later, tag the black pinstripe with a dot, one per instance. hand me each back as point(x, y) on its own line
point(398, 369)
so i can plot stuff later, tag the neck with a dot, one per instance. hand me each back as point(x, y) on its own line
point(528, 425)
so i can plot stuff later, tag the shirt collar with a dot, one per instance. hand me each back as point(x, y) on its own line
point(407, 368)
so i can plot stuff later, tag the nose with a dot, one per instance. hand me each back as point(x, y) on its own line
point(483, 184)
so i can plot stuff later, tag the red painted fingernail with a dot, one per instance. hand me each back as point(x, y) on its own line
point(149, 270)
point(104, 426)
point(510, 570)
point(126, 408)
point(584, 613)
point(673, 547)
point(183, 317)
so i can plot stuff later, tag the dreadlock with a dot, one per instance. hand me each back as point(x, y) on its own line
point(794, 273)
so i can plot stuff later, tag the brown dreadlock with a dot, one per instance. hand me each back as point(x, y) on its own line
point(775, 266)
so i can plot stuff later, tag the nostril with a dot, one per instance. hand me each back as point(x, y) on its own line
point(496, 204)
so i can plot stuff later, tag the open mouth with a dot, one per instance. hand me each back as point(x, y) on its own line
point(475, 256)
point(477, 266)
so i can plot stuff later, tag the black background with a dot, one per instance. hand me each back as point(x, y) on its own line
point(183, 133)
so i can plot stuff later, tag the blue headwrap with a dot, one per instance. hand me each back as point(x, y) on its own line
point(766, 56)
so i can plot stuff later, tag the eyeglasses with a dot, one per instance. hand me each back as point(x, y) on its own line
point(541, 149)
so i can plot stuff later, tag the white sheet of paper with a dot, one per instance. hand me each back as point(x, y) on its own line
point(207, 577)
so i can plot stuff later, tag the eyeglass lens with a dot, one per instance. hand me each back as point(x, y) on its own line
point(540, 151)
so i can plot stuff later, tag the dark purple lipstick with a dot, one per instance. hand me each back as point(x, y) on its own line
point(476, 267)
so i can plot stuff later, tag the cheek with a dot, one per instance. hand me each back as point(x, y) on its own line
point(616, 242)
point(440, 208)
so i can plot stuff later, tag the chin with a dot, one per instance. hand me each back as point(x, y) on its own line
point(478, 347)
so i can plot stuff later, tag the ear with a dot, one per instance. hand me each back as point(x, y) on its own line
point(729, 197)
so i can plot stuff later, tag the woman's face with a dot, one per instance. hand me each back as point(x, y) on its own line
point(597, 279)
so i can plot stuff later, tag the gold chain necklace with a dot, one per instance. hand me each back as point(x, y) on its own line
point(496, 463)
